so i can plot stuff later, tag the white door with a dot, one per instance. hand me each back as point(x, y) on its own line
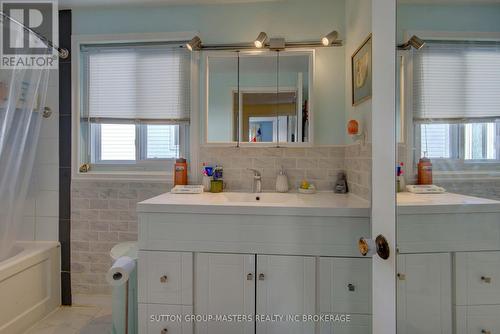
point(383, 113)
point(225, 285)
point(286, 285)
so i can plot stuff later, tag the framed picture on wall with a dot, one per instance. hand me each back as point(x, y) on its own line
point(361, 64)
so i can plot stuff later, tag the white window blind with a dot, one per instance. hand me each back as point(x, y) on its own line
point(137, 82)
point(457, 80)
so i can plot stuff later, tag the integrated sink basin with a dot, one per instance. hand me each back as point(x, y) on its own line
point(264, 198)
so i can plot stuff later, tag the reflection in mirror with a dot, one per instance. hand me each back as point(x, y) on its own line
point(222, 107)
point(448, 223)
point(269, 102)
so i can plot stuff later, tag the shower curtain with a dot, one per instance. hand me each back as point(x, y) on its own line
point(22, 101)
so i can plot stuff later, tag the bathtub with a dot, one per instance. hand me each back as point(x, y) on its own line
point(30, 285)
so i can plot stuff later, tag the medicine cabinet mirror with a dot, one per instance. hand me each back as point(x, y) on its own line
point(259, 97)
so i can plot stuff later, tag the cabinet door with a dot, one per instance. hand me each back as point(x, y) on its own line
point(345, 285)
point(225, 285)
point(164, 319)
point(424, 294)
point(477, 278)
point(286, 285)
point(165, 278)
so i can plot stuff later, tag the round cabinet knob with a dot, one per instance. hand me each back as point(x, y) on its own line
point(484, 331)
point(351, 287)
point(163, 279)
point(164, 331)
point(261, 277)
point(249, 277)
point(486, 279)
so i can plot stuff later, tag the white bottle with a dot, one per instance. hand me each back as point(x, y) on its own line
point(282, 182)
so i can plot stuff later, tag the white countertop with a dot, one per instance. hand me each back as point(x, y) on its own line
point(319, 204)
point(409, 203)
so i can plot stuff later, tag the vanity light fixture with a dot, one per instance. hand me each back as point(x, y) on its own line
point(414, 42)
point(194, 44)
point(330, 38)
point(261, 40)
point(264, 42)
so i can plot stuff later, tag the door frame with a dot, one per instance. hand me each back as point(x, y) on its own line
point(383, 216)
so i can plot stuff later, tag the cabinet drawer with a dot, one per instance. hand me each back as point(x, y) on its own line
point(478, 278)
point(165, 278)
point(478, 319)
point(358, 324)
point(153, 319)
point(345, 285)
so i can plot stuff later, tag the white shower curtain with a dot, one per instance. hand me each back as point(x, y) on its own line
point(22, 100)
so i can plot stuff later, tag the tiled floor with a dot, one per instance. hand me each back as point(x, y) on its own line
point(78, 319)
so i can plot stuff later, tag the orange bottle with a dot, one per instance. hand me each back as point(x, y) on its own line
point(424, 171)
point(180, 172)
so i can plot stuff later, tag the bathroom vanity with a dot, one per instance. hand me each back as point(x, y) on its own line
point(293, 254)
point(448, 264)
point(253, 254)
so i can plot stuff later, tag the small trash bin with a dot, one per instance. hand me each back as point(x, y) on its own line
point(124, 296)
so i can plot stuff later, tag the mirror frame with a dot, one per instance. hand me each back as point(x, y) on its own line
point(310, 52)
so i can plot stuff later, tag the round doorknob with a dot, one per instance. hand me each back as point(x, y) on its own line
point(370, 247)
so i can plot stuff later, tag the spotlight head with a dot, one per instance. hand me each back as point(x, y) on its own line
point(261, 40)
point(416, 42)
point(330, 38)
point(194, 44)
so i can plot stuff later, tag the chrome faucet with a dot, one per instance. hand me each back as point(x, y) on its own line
point(257, 181)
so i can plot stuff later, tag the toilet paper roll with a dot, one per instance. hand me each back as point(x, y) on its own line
point(120, 271)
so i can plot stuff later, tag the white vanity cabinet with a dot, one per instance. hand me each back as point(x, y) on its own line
point(222, 254)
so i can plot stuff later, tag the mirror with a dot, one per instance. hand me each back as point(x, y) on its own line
point(258, 97)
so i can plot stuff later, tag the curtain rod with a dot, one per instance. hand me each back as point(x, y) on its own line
point(63, 53)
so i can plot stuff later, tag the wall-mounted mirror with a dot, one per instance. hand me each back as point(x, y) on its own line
point(259, 97)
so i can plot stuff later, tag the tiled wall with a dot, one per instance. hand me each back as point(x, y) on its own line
point(102, 215)
point(358, 162)
point(319, 165)
point(41, 212)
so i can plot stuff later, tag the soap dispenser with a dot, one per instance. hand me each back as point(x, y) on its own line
point(282, 182)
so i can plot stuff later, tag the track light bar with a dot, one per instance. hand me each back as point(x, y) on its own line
point(263, 41)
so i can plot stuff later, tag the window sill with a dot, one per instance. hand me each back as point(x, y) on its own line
point(157, 177)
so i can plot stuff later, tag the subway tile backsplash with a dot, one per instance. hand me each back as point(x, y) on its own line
point(103, 212)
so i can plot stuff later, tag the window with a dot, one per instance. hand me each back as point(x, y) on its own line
point(135, 105)
point(456, 104)
point(470, 142)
